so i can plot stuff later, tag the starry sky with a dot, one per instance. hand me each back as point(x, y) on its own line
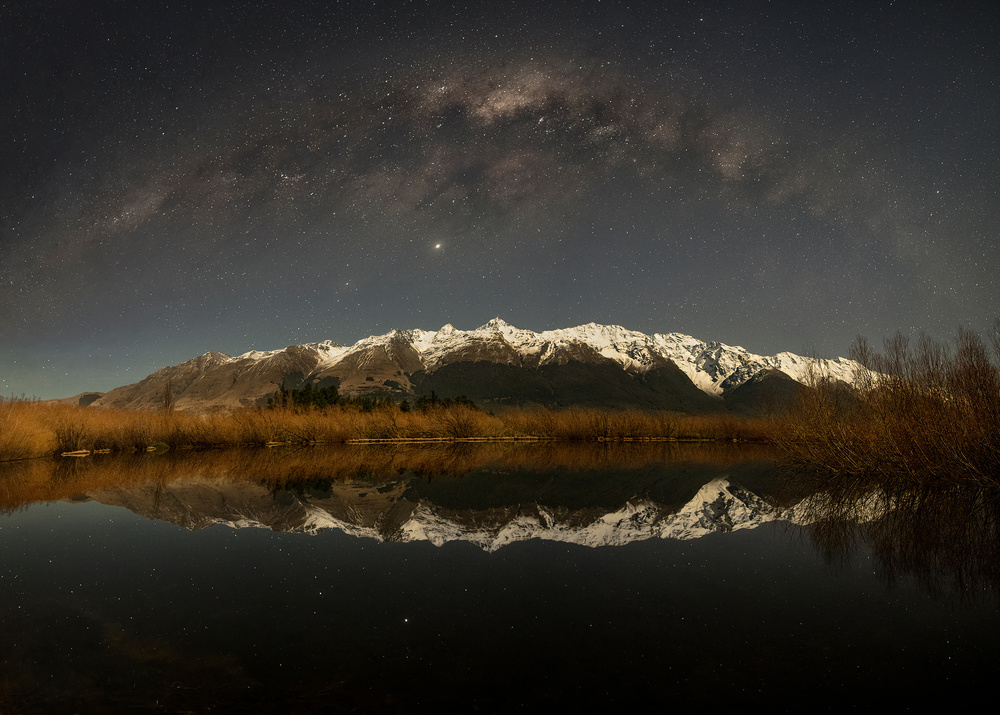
point(188, 176)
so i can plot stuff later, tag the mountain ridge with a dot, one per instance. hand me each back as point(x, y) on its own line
point(588, 364)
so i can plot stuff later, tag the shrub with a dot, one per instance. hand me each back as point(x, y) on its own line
point(920, 412)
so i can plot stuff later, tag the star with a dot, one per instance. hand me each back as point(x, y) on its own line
point(657, 168)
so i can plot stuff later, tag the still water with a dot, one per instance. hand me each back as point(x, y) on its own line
point(486, 578)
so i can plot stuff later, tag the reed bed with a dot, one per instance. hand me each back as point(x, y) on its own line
point(23, 434)
point(31, 429)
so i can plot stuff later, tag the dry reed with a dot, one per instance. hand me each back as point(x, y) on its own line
point(31, 429)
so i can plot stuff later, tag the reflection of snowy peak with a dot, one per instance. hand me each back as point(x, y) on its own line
point(520, 366)
point(719, 506)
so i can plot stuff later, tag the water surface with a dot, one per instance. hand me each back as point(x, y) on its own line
point(493, 578)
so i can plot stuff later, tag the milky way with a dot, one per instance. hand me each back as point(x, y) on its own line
point(250, 175)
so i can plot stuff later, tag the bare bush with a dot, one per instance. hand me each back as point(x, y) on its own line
point(920, 411)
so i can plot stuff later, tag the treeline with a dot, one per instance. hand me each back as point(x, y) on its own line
point(309, 398)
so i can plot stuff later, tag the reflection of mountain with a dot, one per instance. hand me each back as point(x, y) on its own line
point(492, 494)
point(397, 511)
point(718, 506)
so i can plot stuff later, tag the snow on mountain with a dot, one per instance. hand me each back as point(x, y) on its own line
point(715, 366)
point(328, 349)
point(708, 364)
point(712, 366)
point(386, 363)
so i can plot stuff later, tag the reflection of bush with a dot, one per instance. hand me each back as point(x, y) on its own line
point(948, 537)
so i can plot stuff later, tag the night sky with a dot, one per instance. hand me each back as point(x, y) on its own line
point(179, 177)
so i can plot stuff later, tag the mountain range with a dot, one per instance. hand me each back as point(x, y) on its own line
point(497, 364)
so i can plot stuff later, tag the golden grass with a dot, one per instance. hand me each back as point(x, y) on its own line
point(30, 429)
point(22, 434)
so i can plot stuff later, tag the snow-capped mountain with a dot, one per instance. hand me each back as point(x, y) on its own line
point(497, 362)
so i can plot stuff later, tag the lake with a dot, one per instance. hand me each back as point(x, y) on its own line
point(486, 578)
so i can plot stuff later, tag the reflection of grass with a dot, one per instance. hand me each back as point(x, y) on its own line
point(45, 480)
point(31, 429)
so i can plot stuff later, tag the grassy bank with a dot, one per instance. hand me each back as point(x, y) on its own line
point(32, 430)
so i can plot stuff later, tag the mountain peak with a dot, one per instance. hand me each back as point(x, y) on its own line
point(497, 323)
